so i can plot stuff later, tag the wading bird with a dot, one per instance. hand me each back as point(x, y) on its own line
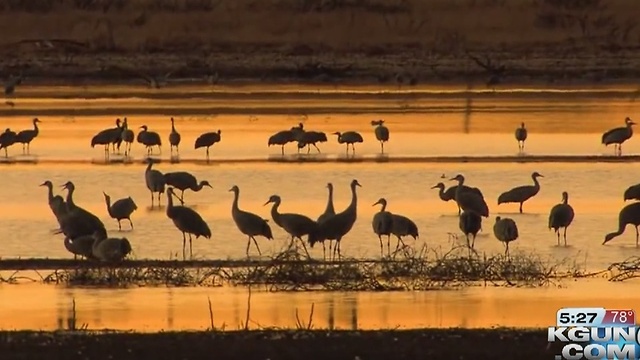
point(308, 138)
point(450, 193)
point(174, 138)
point(121, 209)
point(78, 221)
point(561, 216)
point(382, 224)
point(521, 137)
point(618, 136)
point(469, 200)
point(182, 181)
point(248, 223)
point(632, 193)
point(7, 138)
point(188, 221)
point(56, 203)
point(110, 249)
point(296, 225)
point(521, 194)
point(82, 245)
point(629, 214)
point(349, 138)
point(337, 226)
point(382, 133)
point(107, 137)
point(403, 226)
point(127, 137)
point(470, 223)
point(154, 180)
point(25, 137)
point(281, 138)
point(207, 140)
point(505, 230)
point(149, 139)
point(329, 211)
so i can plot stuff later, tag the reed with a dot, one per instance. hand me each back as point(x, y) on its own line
point(409, 268)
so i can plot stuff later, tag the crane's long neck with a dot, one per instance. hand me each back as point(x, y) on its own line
point(35, 127)
point(50, 193)
point(459, 187)
point(384, 207)
point(354, 199)
point(169, 201)
point(621, 225)
point(441, 192)
point(329, 208)
point(199, 186)
point(236, 195)
point(173, 127)
point(149, 167)
point(70, 204)
point(108, 202)
point(536, 184)
point(274, 211)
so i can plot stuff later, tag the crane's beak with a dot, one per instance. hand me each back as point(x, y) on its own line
point(230, 190)
point(105, 194)
point(42, 184)
point(376, 203)
point(452, 179)
point(209, 185)
point(267, 203)
point(434, 187)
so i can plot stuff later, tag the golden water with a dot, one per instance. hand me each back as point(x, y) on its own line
point(556, 126)
point(50, 307)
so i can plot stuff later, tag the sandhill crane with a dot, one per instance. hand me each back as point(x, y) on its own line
point(470, 223)
point(182, 181)
point(110, 249)
point(337, 226)
point(149, 139)
point(403, 226)
point(154, 180)
point(629, 214)
point(450, 193)
point(107, 137)
point(350, 138)
point(248, 223)
point(207, 140)
point(632, 193)
point(308, 138)
point(82, 245)
point(521, 136)
point(7, 138)
point(296, 225)
point(56, 203)
point(188, 221)
point(505, 230)
point(382, 224)
point(329, 211)
point(561, 216)
point(25, 137)
point(127, 137)
point(281, 138)
point(382, 133)
point(521, 194)
point(618, 136)
point(78, 221)
point(174, 138)
point(121, 209)
point(469, 200)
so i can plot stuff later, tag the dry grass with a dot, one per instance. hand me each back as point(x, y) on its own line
point(372, 40)
point(340, 25)
point(407, 269)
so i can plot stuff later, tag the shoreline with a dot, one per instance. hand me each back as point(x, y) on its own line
point(360, 70)
point(497, 343)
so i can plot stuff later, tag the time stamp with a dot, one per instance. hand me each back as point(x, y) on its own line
point(595, 317)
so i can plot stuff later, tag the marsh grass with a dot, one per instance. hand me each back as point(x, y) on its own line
point(409, 268)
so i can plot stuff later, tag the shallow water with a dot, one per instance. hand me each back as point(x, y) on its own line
point(154, 309)
point(568, 126)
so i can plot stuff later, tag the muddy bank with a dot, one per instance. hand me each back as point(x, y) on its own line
point(396, 43)
point(278, 345)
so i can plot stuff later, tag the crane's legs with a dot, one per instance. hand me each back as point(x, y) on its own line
point(381, 147)
point(282, 149)
point(317, 148)
point(190, 248)
point(184, 244)
point(565, 236)
point(637, 236)
point(119, 226)
point(207, 154)
point(398, 243)
point(130, 223)
point(520, 208)
point(256, 243)
point(558, 234)
point(381, 246)
point(506, 251)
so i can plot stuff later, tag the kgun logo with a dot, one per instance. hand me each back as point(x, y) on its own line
point(596, 342)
